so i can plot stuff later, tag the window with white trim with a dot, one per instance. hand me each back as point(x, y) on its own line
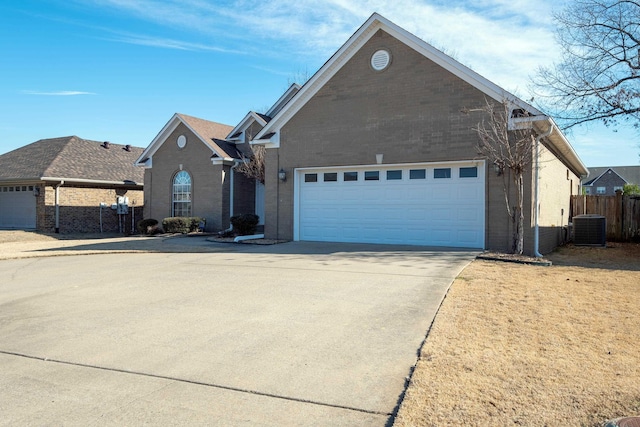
point(372, 175)
point(442, 173)
point(601, 190)
point(471, 172)
point(181, 205)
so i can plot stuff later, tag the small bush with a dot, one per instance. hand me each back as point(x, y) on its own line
point(197, 224)
point(176, 224)
point(182, 224)
point(245, 224)
point(148, 226)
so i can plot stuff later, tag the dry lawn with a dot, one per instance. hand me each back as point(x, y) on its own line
point(535, 346)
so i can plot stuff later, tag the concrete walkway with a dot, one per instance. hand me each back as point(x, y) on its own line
point(289, 334)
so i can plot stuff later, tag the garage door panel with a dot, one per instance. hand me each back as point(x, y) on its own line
point(467, 236)
point(470, 215)
point(17, 207)
point(438, 212)
point(442, 214)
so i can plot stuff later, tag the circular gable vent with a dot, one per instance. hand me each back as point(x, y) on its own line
point(182, 141)
point(380, 60)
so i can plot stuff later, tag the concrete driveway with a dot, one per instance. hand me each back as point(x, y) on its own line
point(289, 334)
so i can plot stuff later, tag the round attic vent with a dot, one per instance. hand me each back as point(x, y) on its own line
point(380, 60)
point(182, 141)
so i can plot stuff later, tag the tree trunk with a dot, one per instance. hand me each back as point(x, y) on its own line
point(518, 238)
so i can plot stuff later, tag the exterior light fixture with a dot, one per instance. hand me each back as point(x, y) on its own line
point(282, 175)
point(497, 168)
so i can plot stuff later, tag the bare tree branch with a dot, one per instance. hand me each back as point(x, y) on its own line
point(511, 151)
point(598, 77)
point(254, 167)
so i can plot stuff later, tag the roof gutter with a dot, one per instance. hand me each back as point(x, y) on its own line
point(88, 181)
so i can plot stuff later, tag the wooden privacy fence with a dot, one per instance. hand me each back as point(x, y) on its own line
point(621, 211)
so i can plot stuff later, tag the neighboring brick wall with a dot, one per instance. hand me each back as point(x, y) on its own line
point(79, 209)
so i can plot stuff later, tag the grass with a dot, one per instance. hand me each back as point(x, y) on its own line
point(535, 346)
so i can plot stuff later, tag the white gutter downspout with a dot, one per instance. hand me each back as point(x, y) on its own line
point(236, 163)
point(57, 230)
point(536, 210)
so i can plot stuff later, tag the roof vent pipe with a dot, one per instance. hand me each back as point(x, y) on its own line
point(127, 147)
point(106, 144)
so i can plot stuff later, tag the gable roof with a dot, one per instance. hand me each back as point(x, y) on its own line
point(630, 174)
point(210, 133)
point(247, 121)
point(376, 22)
point(72, 158)
point(283, 100)
point(263, 119)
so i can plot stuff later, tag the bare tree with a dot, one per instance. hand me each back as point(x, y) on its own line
point(598, 76)
point(301, 76)
point(511, 152)
point(253, 167)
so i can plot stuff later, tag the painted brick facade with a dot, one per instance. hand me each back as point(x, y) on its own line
point(557, 185)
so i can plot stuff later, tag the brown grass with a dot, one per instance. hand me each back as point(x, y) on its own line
point(536, 346)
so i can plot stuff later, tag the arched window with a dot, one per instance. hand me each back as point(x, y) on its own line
point(181, 194)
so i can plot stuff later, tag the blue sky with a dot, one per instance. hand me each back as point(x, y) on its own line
point(117, 70)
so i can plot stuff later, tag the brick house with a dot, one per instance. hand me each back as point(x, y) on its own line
point(604, 181)
point(189, 168)
point(378, 147)
point(70, 184)
point(375, 148)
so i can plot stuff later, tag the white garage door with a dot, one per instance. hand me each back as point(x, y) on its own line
point(17, 207)
point(418, 204)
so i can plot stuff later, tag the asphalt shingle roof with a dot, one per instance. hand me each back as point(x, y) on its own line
point(213, 133)
point(71, 158)
point(629, 173)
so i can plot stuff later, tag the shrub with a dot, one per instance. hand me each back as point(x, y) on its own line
point(148, 226)
point(197, 224)
point(176, 224)
point(182, 224)
point(245, 224)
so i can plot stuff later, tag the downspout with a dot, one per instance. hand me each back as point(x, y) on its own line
point(57, 229)
point(236, 163)
point(536, 210)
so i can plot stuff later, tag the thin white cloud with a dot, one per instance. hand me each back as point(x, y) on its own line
point(272, 71)
point(169, 43)
point(57, 93)
point(503, 40)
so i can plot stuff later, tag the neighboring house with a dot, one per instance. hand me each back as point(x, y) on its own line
point(189, 169)
point(604, 181)
point(376, 148)
point(59, 184)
